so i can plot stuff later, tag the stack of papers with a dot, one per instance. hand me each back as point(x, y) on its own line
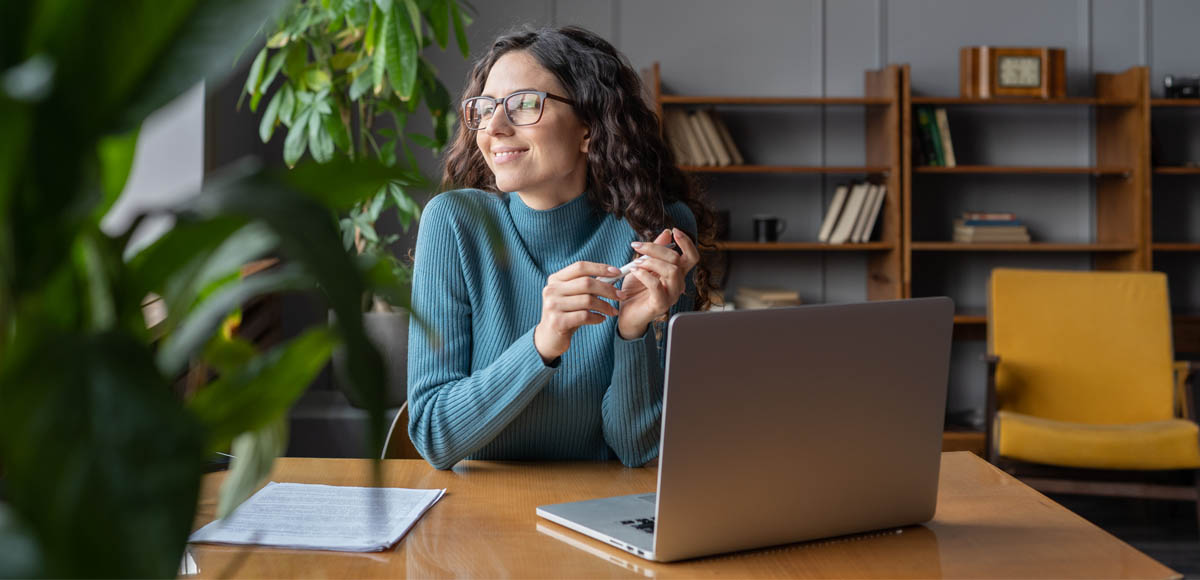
point(322, 517)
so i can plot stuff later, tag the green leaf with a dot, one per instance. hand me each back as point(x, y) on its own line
point(320, 144)
point(335, 127)
point(360, 85)
point(296, 61)
point(376, 207)
point(297, 138)
point(190, 336)
point(414, 20)
point(438, 16)
point(185, 243)
point(384, 5)
point(278, 40)
point(402, 55)
point(116, 159)
point(254, 454)
point(266, 127)
point(273, 67)
point(407, 210)
point(228, 355)
point(380, 64)
point(287, 107)
point(96, 272)
point(261, 392)
point(369, 37)
point(460, 33)
point(317, 79)
point(254, 78)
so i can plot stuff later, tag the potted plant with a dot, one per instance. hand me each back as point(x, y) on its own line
point(352, 77)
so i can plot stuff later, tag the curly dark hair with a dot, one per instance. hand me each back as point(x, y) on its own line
point(631, 172)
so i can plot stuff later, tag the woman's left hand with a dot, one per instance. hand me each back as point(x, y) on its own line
point(656, 283)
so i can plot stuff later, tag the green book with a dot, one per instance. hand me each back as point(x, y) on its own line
point(929, 133)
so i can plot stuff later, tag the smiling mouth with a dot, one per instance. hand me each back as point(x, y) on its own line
point(503, 156)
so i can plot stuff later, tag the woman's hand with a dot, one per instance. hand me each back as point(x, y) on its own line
point(570, 300)
point(656, 283)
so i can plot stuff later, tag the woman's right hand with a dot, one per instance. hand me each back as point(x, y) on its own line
point(570, 300)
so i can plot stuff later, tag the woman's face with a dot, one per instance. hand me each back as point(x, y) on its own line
point(545, 162)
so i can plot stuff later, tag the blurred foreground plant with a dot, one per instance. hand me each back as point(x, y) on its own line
point(101, 462)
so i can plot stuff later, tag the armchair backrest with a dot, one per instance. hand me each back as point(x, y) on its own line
point(1086, 347)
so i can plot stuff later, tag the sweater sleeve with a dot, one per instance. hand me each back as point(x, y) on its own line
point(632, 406)
point(452, 411)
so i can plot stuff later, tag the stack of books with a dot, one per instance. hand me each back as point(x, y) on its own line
point(994, 227)
point(753, 297)
point(931, 143)
point(700, 138)
point(853, 213)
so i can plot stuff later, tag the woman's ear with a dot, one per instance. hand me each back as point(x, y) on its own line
point(587, 137)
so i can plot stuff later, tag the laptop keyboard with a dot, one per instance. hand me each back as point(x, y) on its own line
point(643, 524)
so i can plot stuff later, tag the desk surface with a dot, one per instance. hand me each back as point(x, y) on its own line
point(987, 525)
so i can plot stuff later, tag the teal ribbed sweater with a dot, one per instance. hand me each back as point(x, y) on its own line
point(477, 387)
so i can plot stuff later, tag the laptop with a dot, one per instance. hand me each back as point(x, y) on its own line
point(786, 425)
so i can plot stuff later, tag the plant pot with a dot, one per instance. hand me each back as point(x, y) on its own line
point(388, 331)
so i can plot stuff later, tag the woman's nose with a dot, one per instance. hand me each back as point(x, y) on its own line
point(498, 124)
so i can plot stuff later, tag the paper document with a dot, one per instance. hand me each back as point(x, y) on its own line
point(322, 517)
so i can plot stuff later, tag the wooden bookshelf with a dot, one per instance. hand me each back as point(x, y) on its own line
point(1020, 247)
point(1009, 101)
point(1181, 170)
point(820, 169)
point(802, 247)
point(1175, 103)
point(1027, 170)
point(882, 106)
point(1122, 222)
point(1175, 247)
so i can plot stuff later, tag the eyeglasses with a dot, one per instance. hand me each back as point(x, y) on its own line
point(521, 107)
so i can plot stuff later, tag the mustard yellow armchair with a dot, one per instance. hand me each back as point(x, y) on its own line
point(1081, 376)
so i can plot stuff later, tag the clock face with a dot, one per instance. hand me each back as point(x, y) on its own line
point(1019, 71)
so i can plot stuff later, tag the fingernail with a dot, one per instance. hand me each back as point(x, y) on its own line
point(614, 270)
point(636, 244)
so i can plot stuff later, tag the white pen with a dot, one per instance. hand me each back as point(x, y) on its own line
point(627, 268)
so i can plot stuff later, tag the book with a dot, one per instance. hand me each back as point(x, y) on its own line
point(863, 215)
point(928, 131)
point(753, 298)
point(835, 210)
point(989, 215)
point(943, 127)
point(676, 139)
point(714, 140)
point(695, 153)
point(880, 197)
point(845, 226)
point(727, 139)
point(706, 152)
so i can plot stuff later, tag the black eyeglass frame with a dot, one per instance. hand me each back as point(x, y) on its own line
point(500, 104)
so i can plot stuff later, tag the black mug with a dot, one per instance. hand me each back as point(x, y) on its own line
point(767, 228)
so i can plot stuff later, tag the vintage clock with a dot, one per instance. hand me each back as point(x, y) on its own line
point(989, 71)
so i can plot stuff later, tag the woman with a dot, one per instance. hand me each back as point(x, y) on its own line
point(522, 352)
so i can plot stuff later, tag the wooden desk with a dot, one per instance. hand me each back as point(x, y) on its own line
point(987, 525)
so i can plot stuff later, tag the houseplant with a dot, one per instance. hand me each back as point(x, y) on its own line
point(351, 76)
point(100, 462)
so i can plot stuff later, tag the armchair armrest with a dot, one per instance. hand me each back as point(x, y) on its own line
point(1186, 374)
point(989, 415)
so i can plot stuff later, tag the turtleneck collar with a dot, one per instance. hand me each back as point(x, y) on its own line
point(554, 234)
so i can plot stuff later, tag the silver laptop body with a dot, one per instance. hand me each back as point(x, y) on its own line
point(786, 425)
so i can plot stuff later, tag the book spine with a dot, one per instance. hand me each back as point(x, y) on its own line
point(929, 134)
point(943, 126)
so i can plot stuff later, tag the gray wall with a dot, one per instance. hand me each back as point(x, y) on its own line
point(822, 47)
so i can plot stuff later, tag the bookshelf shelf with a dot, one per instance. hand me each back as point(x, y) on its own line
point(1000, 102)
point(802, 247)
point(966, 319)
point(1026, 170)
point(1175, 102)
point(1176, 170)
point(1019, 247)
point(1175, 247)
point(828, 170)
point(794, 101)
